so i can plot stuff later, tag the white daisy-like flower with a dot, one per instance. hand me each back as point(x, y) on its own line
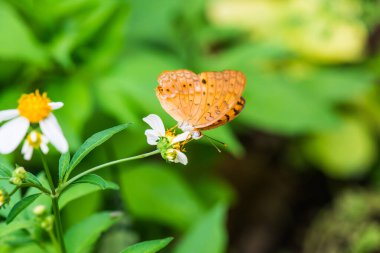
point(33, 108)
point(167, 142)
point(34, 140)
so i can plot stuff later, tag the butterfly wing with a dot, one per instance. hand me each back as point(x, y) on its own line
point(222, 93)
point(176, 93)
point(230, 115)
point(204, 101)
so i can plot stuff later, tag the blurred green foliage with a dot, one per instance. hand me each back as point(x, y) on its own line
point(312, 69)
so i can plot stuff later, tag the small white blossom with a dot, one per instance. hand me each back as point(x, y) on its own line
point(167, 142)
point(34, 140)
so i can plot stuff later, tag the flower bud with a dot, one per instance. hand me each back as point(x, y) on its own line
point(39, 210)
point(47, 223)
point(15, 180)
point(19, 172)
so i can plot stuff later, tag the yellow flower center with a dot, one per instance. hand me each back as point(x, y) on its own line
point(34, 106)
point(170, 135)
point(34, 139)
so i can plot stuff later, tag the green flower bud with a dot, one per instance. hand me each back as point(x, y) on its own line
point(47, 223)
point(163, 144)
point(19, 172)
point(39, 210)
point(15, 180)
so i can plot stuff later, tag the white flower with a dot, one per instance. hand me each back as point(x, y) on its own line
point(34, 140)
point(167, 142)
point(176, 156)
point(33, 108)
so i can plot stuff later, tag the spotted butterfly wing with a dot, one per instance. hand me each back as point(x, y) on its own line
point(203, 101)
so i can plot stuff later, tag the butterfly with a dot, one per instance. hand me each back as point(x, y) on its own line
point(201, 102)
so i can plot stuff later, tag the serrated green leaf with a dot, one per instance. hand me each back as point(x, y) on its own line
point(198, 237)
point(21, 205)
point(82, 236)
point(98, 181)
point(148, 246)
point(64, 162)
point(91, 143)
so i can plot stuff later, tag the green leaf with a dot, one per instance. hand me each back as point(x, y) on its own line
point(17, 41)
point(17, 225)
point(30, 178)
point(156, 193)
point(226, 135)
point(5, 168)
point(82, 236)
point(91, 143)
point(64, 162)
point(97, 180)
point(198, 239)
point(148, 246)
point(21, 205)
point(77, 110)
point(76, 191)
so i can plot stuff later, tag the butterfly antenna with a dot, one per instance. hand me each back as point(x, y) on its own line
point(212, 140)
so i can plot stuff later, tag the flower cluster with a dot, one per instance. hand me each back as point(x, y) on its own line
point(45, 220)
point(34, 110)
point(169, 144)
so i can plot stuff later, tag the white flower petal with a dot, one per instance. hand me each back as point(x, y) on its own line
point(181, 137)
point(8, 114)
point(29, 153)
point(25, 147)
point(152, 136)
point(55, 105)
point(155, 123)
point(12, 133)
point(180, 158)
point(44, 140)
point(44, 148)
point(33, 136)
point(53, 132)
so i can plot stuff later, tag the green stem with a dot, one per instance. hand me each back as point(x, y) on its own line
point(41, 188)
point(14, 191)
point(54, 199)
point(53, 239)
point(106, 165)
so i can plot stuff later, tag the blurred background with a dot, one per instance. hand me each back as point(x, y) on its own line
point(301, 172)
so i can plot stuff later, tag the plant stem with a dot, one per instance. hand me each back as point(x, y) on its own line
point(54, 199)
point(53, 239)
point(106, 165)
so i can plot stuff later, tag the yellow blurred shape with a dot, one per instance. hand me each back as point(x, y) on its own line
point(319, 30)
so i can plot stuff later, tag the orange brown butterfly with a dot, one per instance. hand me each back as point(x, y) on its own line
point(201, 102)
